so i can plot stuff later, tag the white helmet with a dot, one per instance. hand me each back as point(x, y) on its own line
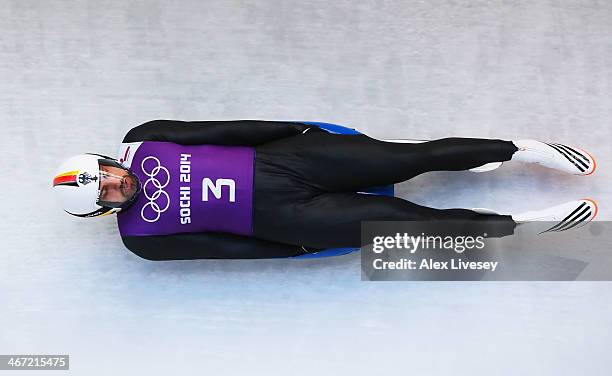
point(77, 185)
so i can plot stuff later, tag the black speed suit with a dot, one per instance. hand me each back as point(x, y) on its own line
point(306, 183)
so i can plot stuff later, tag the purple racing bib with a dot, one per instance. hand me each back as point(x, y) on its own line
point(188, 189)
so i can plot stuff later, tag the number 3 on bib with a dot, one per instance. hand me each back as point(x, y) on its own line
point(215, 188)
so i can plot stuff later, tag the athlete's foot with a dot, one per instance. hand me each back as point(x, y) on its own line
point(557, 156)
point(563, 217)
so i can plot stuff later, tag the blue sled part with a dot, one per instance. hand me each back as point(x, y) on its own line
point(387, 190)
point(330, 252)
point(333, 128)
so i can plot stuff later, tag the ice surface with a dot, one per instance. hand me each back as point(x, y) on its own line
point(76, 75)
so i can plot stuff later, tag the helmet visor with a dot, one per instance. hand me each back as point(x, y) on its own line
point(118, 185)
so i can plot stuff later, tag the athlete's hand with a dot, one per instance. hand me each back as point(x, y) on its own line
point(308, 250)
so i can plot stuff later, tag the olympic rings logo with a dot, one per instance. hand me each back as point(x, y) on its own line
point(153, 204)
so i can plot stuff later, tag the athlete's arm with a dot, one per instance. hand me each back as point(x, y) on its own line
point(232, 133)
point(208, 245)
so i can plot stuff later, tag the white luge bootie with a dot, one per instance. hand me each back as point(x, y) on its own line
point(565, 216)
point(556, 156)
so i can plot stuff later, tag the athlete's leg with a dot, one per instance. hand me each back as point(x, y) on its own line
point(332, 162)
point(330, 220)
